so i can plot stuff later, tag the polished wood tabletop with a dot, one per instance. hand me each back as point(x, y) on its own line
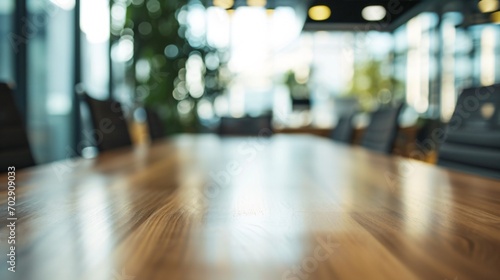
point(284, 207)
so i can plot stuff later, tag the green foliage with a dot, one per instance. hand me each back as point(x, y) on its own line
point(153, 30)
point(371, 86)
point(297, 90)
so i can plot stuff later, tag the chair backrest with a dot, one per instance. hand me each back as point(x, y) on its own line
point(472, 140)
point(427, 128)
point(156, 127)
point(14, 146)
point(246, 126)
point(344, 130)
point(110, 127)
point(382, 131)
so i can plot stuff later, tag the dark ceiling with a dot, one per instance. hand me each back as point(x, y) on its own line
point(346, 14)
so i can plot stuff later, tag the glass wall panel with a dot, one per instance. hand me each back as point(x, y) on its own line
point(470, 58)
point(6, 47)
point(94, 23)
point(486, 53)
point(50, 78)
point(416, 61)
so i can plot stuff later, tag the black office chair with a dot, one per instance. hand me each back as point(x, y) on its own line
point(109, 122)
point(14, 146)
point(246, 126)
point(472, 141)
point(426, 129)
point(382, 131)
point(155, 125)
point(427, 138)
point(344, 130)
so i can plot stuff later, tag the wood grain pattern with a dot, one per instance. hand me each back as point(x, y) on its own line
point(285, 207)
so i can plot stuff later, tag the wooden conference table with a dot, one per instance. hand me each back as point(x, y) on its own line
point(286, 207)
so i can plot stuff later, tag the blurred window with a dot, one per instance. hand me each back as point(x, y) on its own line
point(471, 57)
point(50, 78)
point(95, 26)
point(6, 49)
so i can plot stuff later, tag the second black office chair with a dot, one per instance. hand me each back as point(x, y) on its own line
point(472, 142)
point(344, 130)
point(109, 122)
point(14, 146)
point(382, 131)
point(155, 125)
point(246, 126)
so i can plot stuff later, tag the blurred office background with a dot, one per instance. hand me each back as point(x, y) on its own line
point(301, 62)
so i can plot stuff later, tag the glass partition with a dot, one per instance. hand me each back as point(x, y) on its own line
point(6, 47)
point(50, 78)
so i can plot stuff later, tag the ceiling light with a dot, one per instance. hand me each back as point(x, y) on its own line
point(495, 17)
point(488, 6)
point(256, 3)
point(225, 4)
point(320, 12)
point(373, 13)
